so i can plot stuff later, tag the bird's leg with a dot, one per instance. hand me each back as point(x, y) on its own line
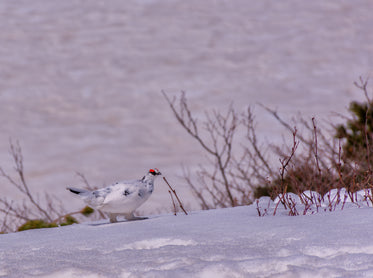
point(113, 218)
point(131, 217)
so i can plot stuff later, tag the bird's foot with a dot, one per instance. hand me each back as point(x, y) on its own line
point(131, 217)
point(113, 218)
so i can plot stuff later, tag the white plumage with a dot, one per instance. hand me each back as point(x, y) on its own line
point(121, 198)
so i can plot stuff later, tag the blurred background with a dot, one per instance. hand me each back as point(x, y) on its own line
point(81, 81)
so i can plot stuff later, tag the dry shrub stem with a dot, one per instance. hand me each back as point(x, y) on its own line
point(173, 202)
point(227, 180)
point(220, 128)
point(236, 171)
point(177, 197)
point(363, 85)
point(284, 198)
point(21, 185)
point(316, 152)
point(31, 207)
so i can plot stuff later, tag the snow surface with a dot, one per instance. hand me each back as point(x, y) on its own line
point(80, 87)
point(232, 242)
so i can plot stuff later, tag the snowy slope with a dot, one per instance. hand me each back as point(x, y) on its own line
point(217, 243)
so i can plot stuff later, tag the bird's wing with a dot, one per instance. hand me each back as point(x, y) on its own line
point(97, 197)
point(121, 191)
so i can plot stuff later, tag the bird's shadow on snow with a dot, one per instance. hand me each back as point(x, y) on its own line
point(107, 221)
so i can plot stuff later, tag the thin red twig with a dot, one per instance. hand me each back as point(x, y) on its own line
point(177, 198)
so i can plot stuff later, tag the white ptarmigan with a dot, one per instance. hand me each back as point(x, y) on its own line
point(121, 198)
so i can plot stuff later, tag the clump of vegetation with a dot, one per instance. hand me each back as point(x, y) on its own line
point(33, 212)
point(36, 224)
point(87, 211)
point(241, 172)
point(357, 130)
point(357, 135)
point(64, 220)
point(229, 179)
point(69, 220)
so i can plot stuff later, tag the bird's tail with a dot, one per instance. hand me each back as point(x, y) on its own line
point(77, 190)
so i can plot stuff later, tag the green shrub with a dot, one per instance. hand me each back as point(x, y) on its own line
point(36, 224)
point(87, 211)
point(323, 165)
point(69, 220)
point(41, 224)
point(357, 132)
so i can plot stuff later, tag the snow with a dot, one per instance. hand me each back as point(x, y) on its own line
point(80, 88)
point(233, 242)
point(311, 202)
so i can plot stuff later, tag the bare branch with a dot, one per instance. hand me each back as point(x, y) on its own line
point(316, 154)
point(186, 121)
point(220, 129)
point(362, 84)
point(16, 152)
point(173, 202)
point(251, 136)
point(177, 197)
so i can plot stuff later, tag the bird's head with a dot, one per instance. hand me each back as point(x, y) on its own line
point(154, 172)
point(151, 175)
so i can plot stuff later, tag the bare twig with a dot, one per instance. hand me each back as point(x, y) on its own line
point(22, 186)
point(220, 129)
point(286, 160)
point(363, 85)
point(251, 136)
point(177, 198)
point(32, 206)
point(173, 202)
point(257, 208)
point(284, 198)
point(61, 217)
point(84, 179)
point(316, 153)
point(5, 226)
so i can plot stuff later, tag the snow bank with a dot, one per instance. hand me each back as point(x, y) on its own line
point(311, 202)
point(231, 242)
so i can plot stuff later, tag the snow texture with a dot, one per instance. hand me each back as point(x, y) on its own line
point(311, 202)
point(232, 242)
